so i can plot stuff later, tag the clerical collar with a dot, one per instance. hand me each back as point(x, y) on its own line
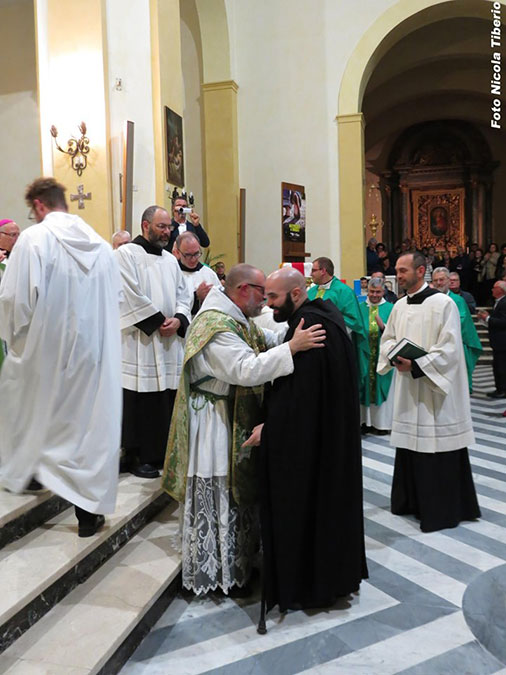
point(421, 295)
point(326, 286)
point(147, 246)
point(368, 302)
point(189, 269)
point(422, 288)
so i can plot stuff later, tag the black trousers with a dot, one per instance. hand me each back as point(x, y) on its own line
point(437, 488)
point(145, 427)
point(499, 368)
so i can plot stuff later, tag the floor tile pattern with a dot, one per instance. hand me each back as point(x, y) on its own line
point(408, 616)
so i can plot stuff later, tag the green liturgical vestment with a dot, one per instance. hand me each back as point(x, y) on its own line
point(346, 301)
point(244, 403)
point(378, 385)
point(470, 339)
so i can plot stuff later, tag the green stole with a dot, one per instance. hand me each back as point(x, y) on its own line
point(378, 385)
point(244, 404)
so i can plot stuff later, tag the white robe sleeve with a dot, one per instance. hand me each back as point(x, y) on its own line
point(231, 360)
point(135, 305)
point(442, 361)
point(19, 291)
point(184, 296)
point(273, 339)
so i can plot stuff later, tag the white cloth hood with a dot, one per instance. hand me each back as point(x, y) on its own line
point(218, 300)
point(77, 238)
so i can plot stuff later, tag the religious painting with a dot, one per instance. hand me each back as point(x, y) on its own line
point(293, 209)
point(438, 218)
point(174, 140)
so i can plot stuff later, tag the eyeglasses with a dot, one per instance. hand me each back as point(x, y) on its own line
point(162, 226)
point(315, 269)
point(12, 235)
point(259, 288)
point(191, 256)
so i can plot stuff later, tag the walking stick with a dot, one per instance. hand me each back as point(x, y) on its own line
point(261, 628)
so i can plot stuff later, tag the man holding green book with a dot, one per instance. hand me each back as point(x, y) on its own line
point(431, 427)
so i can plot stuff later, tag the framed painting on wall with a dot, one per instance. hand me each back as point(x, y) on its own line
point(293, 209)
point(174, 141)
point(438, 218)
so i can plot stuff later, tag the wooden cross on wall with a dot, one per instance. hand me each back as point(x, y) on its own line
point(80, 196)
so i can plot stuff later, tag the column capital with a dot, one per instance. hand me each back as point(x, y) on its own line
point(220, 86)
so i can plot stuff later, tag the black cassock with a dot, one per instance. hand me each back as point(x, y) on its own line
point(311, 472)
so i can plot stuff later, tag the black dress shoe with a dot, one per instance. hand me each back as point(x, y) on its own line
point(496, 394)
point(34, 486)
point(144, 471)
point(90, 529)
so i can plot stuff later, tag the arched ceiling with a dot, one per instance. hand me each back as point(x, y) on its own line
point(439, 71)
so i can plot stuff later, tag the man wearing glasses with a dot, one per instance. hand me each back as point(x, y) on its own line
point(9, 233)
point(155, 313)
point(199, 277)
point(227, 360)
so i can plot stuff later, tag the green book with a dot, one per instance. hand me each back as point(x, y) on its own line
point(407, 350)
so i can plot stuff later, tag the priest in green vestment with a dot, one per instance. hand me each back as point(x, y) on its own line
point(376, 407)
point(470, 339)
point(327, 287)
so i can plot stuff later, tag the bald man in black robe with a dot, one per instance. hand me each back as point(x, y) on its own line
point(311, 469)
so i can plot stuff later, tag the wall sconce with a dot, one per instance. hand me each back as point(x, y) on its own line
point(77, 148)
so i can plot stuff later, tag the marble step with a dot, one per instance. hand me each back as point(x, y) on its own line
point(45, 565)
point(20, 514)
point(100, 623)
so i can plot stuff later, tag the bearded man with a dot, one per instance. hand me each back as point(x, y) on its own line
point(311, 468)
point(155, 313)
point(219, 401)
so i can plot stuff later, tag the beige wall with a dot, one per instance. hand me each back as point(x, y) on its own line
point(288, 60)
point(19, 120)
point(191, 62)
point(128, 36)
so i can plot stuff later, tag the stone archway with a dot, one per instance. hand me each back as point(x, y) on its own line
point(400, 20)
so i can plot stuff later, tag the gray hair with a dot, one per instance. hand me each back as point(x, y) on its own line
point(445, 270)
point(376, 282)
point(150, 212)
point(186, 236)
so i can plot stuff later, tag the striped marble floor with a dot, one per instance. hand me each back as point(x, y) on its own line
point(408, 617)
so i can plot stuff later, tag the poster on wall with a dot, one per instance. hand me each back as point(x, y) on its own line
point(293, 210)
point(174, 140)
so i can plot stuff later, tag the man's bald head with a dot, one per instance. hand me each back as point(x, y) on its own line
point(245, 286)
point(289, 278)
point(286, 292)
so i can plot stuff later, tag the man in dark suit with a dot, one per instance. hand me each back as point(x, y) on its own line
point(496, 322)
point(180, 224)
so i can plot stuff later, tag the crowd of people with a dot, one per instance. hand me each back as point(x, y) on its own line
point(255, 432)
point(477, 269)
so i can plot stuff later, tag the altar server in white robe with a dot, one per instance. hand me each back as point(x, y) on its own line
point(60, 391)
point(200, 278)
point(205, 468)
point(155, 313)
point(432, 425)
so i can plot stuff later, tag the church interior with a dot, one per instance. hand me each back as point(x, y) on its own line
point(381, 112)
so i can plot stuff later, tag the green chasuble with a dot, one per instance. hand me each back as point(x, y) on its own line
point(244, 404)
point(378, 385)
point(470, 339)
point(346, 301)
